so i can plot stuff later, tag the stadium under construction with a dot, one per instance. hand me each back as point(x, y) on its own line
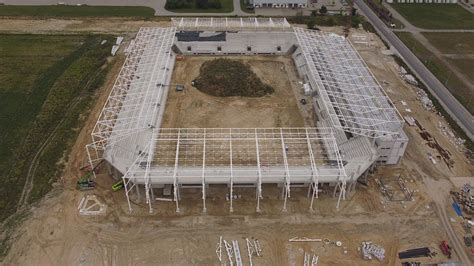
point(357, 125)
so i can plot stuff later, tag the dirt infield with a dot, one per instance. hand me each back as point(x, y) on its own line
point(192, 108)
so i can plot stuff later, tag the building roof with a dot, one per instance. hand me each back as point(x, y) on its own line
point(353, 98)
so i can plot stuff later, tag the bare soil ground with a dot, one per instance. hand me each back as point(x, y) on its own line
point(193, 108)
point(56, 234)
point(75, 26)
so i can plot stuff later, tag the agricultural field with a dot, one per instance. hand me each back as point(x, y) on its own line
point(429, 16)
point(76, 11)
point(46, 82)
point(452, 42)
point(456, 47)
point(438, 68)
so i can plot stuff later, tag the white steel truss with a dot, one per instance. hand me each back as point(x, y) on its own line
point(250, 156)
point(249, 23)
point(129, 136)
point(131, 111)
point(353, 98)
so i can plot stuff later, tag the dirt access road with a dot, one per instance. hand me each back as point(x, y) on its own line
point(55, 234)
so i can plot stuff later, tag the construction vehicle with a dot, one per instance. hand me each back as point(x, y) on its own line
point(85, 182)
point(445, 248)
point(118, 186)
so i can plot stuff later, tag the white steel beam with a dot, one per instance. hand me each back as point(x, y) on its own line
point(287, 171)
point(175, 173)
point(204, 173)
point(314, 172)
point(259, 173)
point(231, 209)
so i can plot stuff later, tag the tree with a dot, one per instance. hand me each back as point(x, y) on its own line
point(323, 10)
point(354, 11)
point(311, 23)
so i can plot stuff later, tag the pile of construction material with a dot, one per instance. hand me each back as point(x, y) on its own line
point(465, 197)
point(310, 259)
point(422, 96)
point(407, 77)
point(370, 250)
point(445, 130)
point(232, 250)
point(116, 47)
point(415, 253)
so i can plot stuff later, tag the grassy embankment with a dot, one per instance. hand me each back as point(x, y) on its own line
point(439, 69)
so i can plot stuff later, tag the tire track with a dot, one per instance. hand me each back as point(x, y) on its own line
point(23, 202)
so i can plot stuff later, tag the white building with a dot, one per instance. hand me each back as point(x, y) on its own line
point(279, 3)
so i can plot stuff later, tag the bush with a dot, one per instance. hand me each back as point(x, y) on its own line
point(323, 10)
point(177, 4)
point(311, 23)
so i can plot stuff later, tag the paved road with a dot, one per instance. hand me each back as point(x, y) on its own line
point(157, 5)
point(447, 100)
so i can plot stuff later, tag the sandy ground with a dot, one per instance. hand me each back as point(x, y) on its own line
point(193, 108)
point(55, 234)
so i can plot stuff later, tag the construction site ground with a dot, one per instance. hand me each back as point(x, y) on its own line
point(193, 108)
point(55, 234)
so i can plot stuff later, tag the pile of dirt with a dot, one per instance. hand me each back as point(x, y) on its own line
point(225, 77)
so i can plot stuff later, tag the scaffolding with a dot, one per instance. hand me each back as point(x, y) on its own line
point(233, 156)
point(232, 24)
point(353, 98)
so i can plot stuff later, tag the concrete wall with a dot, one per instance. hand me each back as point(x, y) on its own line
point(391, 149)
point(242, 43)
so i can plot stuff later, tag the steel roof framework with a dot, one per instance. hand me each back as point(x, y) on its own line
point(238, 155)
point(130, 121)
point(352, 96)
point(132, 106)
point(250, 23)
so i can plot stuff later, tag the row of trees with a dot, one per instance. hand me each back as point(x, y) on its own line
point(201, 4)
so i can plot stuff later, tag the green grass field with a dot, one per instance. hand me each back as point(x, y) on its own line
point(77, 11)
point(452, 42)
point(46, 81)
point(436, 16)
point(459, 44)
point(438, 68)
point(227, 7)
